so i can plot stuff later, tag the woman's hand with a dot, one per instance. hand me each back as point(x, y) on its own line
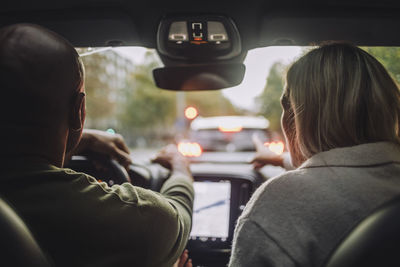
point(264, 155)
point(184, 260)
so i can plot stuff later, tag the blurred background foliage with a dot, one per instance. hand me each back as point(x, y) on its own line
point(121, 95)
point(389, 57)
point(269, 101)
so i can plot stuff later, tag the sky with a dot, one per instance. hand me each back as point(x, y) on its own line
point(258, 63)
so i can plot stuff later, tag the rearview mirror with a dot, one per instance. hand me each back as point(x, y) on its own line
point(199, 77)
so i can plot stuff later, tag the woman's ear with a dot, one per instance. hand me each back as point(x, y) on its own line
point(288, 124)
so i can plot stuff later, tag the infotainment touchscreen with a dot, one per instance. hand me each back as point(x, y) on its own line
point(211, 210)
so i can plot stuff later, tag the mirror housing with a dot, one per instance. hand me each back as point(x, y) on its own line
point(199, 77)
point(200, 52)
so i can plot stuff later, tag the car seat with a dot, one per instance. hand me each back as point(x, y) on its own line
point(18, 247)
point(375, 241)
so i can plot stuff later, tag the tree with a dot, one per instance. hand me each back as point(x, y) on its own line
point(210, 103)
point(147, 106)
point(269, 100)
point(388, 56)
point(98, 103)
point(106, 74)
point(146, 111)
point(123, 96)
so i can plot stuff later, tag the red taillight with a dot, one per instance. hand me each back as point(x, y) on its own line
point(276, 147)
point(230, 129)
point(190, 149)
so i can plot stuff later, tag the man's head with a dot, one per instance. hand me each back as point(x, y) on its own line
point(336, 96)
point(42, 92)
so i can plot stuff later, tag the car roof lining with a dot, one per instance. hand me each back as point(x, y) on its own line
point(260, 22)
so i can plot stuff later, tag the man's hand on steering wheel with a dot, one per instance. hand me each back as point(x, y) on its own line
point(104, 143)
point(170, 158)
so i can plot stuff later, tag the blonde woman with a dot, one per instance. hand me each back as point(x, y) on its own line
point(341, 113)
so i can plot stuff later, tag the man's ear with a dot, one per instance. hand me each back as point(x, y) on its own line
point(78, 113)
point(76, 122)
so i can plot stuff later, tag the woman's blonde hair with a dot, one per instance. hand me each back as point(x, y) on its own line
point(338, 95)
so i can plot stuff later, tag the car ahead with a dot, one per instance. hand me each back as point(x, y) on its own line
point(192, 62)
point(228, 133)
point(227, 139)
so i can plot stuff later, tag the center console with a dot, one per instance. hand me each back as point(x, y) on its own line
point(219, 201)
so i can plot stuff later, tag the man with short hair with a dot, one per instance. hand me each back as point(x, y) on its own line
point(77, 220)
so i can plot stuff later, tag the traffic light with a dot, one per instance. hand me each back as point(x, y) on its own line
point(191, 113)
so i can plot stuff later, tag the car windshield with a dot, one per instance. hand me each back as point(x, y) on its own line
point(122, 98)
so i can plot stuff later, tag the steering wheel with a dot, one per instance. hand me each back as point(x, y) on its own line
point(110, 171)
point(150, 176)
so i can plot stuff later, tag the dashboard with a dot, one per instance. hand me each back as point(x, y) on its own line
point(221, 193)
point(211, 211)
